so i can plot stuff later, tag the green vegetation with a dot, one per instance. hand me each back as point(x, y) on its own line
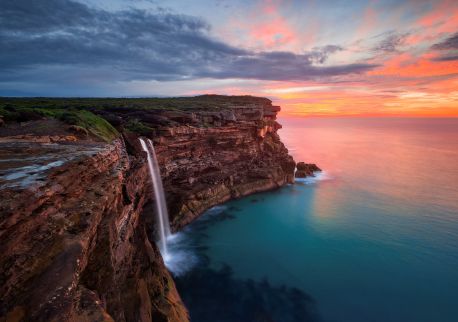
point(100, 116)
point(94, 124)
point(138, 127)
point(166, 103)
point(91, 122)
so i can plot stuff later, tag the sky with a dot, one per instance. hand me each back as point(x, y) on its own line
point(312, 57)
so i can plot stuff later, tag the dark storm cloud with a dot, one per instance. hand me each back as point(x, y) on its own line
point(137, 44)
point(282, 66)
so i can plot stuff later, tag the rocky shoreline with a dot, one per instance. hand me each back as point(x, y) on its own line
point(77, 241)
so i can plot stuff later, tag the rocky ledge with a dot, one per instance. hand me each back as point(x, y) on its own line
point(74, 242)
point(306, 170)
point(76, 215)
point(235, 153)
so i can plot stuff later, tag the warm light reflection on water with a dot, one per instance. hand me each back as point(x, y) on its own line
point(402, 160)
point(378, 241)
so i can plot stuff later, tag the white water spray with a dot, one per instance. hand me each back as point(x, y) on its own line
point(161, 206)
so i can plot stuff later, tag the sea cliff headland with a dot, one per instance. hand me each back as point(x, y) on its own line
point(76, 215)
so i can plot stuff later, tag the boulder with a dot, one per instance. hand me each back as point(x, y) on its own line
point(306, 169)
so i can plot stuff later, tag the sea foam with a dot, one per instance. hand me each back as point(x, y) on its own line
point(319, 176)
point(182, 256)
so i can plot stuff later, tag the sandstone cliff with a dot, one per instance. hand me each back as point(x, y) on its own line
point(238, 152)
point(75, 247)
point(76, 222)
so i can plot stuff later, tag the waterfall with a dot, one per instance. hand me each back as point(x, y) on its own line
point(161, 206)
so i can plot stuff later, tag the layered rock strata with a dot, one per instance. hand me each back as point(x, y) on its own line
point(77, 238)
point(75, 246)
point(306, 170)
point(238, 154)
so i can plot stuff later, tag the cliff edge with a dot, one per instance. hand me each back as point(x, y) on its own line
point(76, 215)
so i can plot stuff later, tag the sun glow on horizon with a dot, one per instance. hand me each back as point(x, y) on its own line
point(414, 51)
point(313, 58)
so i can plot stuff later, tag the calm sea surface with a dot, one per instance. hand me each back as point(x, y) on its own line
point(373, 238)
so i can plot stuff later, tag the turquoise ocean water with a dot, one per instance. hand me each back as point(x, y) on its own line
point(372, 238)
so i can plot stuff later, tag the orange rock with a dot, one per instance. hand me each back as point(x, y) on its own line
point(71, 138)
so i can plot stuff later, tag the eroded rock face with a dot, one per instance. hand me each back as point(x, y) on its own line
point(77, 243)
point(238, 152)
point(306, 169)
point(75, 246)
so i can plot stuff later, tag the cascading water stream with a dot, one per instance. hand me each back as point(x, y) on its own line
point(161, 206)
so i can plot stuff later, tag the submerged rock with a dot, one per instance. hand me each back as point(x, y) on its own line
point(306, 169)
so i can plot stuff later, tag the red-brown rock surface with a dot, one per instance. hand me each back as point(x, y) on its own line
point(238, 152)
point(75, 246)
point(306, 169)
point(76, 237)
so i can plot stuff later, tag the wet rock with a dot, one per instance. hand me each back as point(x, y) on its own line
point(306, 170)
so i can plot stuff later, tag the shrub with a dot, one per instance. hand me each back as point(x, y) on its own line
point(138, 127)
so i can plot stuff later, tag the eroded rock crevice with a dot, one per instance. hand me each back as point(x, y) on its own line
point(77, 238)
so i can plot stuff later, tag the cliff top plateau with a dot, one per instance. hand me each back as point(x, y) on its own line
point(103, 118)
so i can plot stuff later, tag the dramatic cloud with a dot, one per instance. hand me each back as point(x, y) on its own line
point(449, 46)
point(321, 54)
point(446, 58)
point(391, 43)
point(449, 43)
point(283, 66)
point(390, 51)
point(43, 37)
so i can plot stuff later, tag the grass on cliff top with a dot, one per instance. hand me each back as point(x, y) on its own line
point(168, 103)
point(93, 114)
point(138, 127)
point(94, 124)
